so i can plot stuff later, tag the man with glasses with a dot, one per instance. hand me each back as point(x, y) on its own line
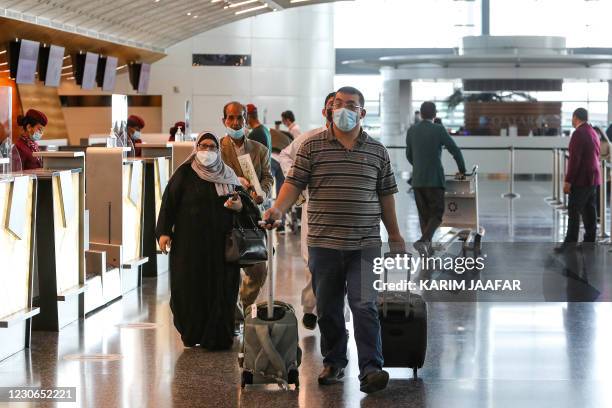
point(234, 145)
point(350, 186)
point(424, 142)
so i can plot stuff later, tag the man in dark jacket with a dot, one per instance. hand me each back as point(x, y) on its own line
point(581, 180)
point(424, 142)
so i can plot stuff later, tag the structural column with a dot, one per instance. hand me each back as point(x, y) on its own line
point(405, 105)
point(395, 107)
point(390, 126)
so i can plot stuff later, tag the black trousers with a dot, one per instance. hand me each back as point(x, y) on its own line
point(581, 203)
point(430, 204)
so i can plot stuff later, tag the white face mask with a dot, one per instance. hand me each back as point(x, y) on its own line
point(206, 157)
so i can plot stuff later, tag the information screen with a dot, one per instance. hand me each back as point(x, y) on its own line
point(54, 66)
point(28, 58)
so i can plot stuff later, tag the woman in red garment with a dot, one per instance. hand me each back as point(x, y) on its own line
point(33, 126)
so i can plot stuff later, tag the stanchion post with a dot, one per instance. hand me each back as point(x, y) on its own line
point(511, 194)
point(603, 192)
point(562, 181)
point(560, 203)
point(553, 197)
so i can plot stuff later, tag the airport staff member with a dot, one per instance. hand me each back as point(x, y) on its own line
point(134, 125)
point(33, 126)
point(351, 186)
point(581, 180)
point(424, 142)
point(233, 145)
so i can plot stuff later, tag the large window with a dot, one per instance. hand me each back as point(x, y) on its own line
point(405, 23)
point(584, 23)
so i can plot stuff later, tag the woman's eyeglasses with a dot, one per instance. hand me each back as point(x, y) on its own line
point(210, 148)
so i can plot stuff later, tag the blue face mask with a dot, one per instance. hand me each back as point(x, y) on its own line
point(235, 134)
point(345, 119)
point(136, 135)
point(37, 136)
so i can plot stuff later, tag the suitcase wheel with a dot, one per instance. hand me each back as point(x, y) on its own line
point(293, 377)
point(414, 373)
point(247, 378)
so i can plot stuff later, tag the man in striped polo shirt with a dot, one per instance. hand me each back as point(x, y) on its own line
point(351, 187)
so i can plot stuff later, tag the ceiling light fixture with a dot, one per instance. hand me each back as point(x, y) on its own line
point(189, 13)
point(122, 66)
point(251, 9)
point(67, 66)
point(242, 3)
point(298, 1)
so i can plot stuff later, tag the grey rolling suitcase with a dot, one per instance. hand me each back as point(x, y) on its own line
point(403, 324)
point(270, 351)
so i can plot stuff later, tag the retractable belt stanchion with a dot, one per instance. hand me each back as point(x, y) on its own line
point(609, 166)
point(558, 204)
point(603, 192)
point(555, 197)
point(565, 157)
point(511, 194)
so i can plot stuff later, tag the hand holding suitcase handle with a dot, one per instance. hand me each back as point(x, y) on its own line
point(269, 224)
point(408, 312)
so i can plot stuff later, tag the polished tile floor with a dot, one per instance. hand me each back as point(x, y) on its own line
point(479, 354)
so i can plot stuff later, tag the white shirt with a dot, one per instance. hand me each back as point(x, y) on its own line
point(295, 130)
point(287, 155)
point(286, 159)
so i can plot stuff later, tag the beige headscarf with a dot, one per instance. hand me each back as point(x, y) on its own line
point(218, 172)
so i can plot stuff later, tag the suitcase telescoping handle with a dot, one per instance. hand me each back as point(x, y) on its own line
point(271, 274)
point(407, 310)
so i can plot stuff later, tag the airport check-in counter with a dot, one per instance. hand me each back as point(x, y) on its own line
point(180, 152)
point(157, 159)
point(17, 247)
point(58, 273)
point(59, 280)
point(114, 200)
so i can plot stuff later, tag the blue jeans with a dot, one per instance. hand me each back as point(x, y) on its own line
point(335, 272)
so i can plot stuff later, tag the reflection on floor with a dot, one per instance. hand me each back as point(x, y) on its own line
point(479, 354)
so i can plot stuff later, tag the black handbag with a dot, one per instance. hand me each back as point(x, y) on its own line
point(246, 245)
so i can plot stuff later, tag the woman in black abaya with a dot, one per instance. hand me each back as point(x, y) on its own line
point(196, 213)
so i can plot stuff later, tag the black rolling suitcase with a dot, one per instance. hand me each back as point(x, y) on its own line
point(403, 322)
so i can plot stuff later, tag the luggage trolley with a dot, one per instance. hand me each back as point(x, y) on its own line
point(461, 213)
